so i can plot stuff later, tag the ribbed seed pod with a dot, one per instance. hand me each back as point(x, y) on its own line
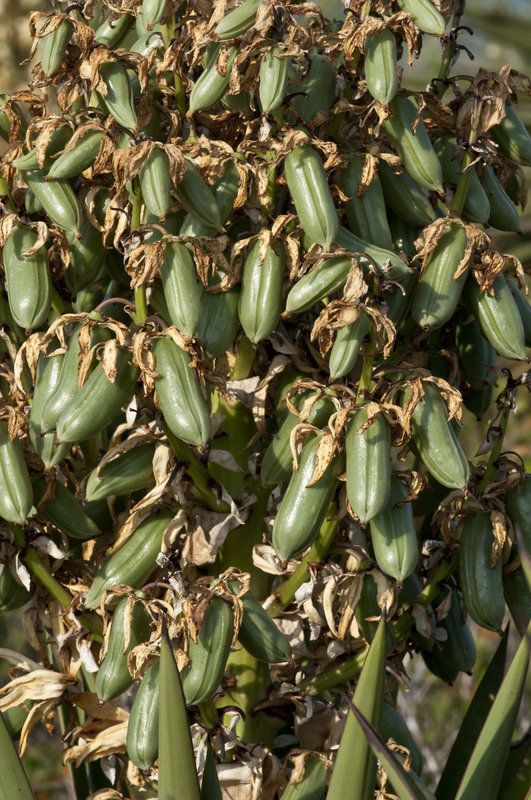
point(425, 15)
point(366, 215)
point(405, 197)
point(273, 79)
point(237, 22)
point(524, 307)
point(513, 137)
point(258, 633)
point(47, 377)
point(73, 162)
point(503, 212)
point(53, 47)
point(318, 88)
point(28, 280)
point(211, 86)
point(135, 560)
point(113, 677)
point(381, 65)
point(128, 472)
point(438, 292)
point(260, 303)
point(155, 183)
point(142, 743)
point(30, 161)
point(477, 206)
point(393, 534)
point(98, 401)
point(477, 356)
point(152, 12)
point(481, 583)
point(415, 149)
point(65, 511)
point(436, 441)
point(347, 345)
point(197, 197)
point(456, 653)
point(16, 492)
point(328, 276)
point(368, 457)
point(208, 656)
point(182, 403)
point(303, 507)
point(119, 97)
point(219, 321)
point(498, 316)
point(308, 187)
point(58, 200)
point(182, 290)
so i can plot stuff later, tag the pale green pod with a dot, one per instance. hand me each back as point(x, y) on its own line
point(260, 304)
point(308, 187)
point(503, 212)
point(425, 15)
point(346, 348)
point(16, 492)
point(513, 137)
point(381, 65)
point(368, 456)
point(208, 656)
point(58, 200)
point(142, 741)
point(498, 316)
point(182, 290)
point(119, 97)
point(53, 47)
point(197, 196)
point(28, 279)
point(393, 535)
point(211, 86)
point(318, 88)
point(155, 183)
point(72, 163)
point(405, 197)
point(273, 79)
point(237, 22)
point(367, 216)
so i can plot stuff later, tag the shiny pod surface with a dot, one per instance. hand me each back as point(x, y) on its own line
point(128, 472)
point(482, 584)
point(58, 200)
point(368, 456)
point(113, 676)
point(28, 280)
point(393, 534)
point(381, 65)
point(260, 303)
point(308, 187)
point(498, 316)
point(142, 741)
point(16, 492)
point(208, 656)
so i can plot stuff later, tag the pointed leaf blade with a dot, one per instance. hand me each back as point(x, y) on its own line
point(13, 782)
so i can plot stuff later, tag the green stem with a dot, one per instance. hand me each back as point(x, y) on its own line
point(336, 674)
point(367, 367)
point(140, 313)
point(244, 360)
point(197, 472)
point(318, 551)
point(461, 192)
point(32, 561)
point(450, 48)
point(496, 450)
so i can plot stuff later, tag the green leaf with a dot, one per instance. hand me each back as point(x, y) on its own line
point(313, 783)
point(484, 770)
point(210, 788)
point(354, 774)
point(407, 785)
point(13, 781)
point(516, 778)
point(472, 724)
point(177, 773)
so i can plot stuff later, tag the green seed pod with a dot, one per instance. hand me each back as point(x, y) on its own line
point(208, 656)
point(327, 276)
point(503, 212)
point(98, 401)
point(518, 503)
point(312, 785)
point(28, 280)
point(57, 199)
point(477, 206)
point(260, 304)
point(64, 386)
point(142, 741)
point(12, 593)
point(65, 511)
point(112, 32)
point(16, 493)
point(366, 214)
point(74, 161)
point(152, 12)
point(225, 190)
point(392, 265)
point(393, 535)
point(219, 321)
point(258, 633)
point(405, 197)
point(211, 86)
point(197, 197)
point(179, 394)
point(481, 584)
point(393, 726)
point(415, 149)
point(155, 183)
point(381, 65)
point(278, 459)
point(133, 563)
point(524, 308)
point(424, 15)
point(113, 677)
point(477, 356)
point(127, 473)
point(273, 79)
point(119, 97)
point(318, 88)
point(308, 187)
point(53, 47)
point(513, 137)
point(457, 653)
point(237, 22)
point(368, 456)
point(347, 345)
point(303, 507)
point(498, 316)
point(47, 377)
point(438, 292)
point(436, 441)
point(30, 160)
point(182, 290)
point(478, 400)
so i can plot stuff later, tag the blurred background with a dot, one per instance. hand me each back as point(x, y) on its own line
point(501, 35)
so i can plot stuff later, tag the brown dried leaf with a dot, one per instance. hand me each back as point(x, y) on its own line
point(101, 742)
